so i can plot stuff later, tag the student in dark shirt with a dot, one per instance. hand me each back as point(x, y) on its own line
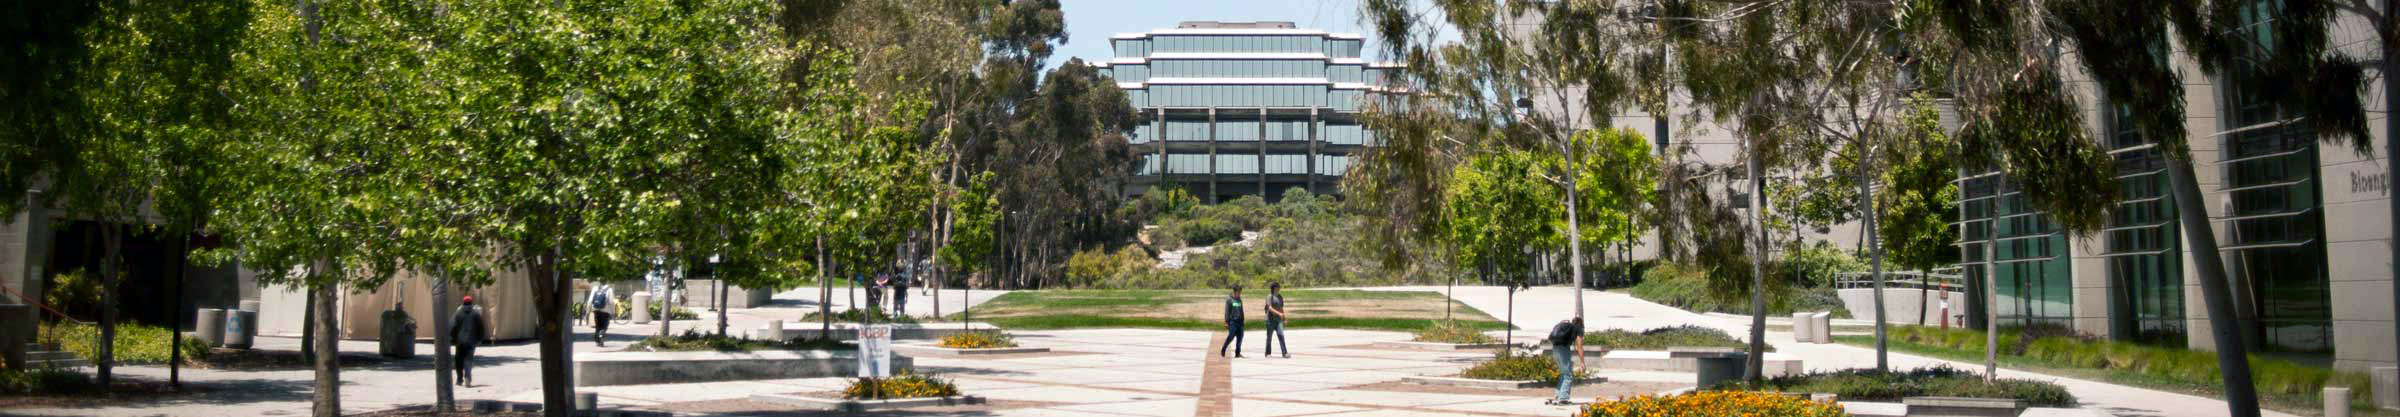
point(1275, 319)
point(467, 330)
point(1233, 323)
point(1565, 339)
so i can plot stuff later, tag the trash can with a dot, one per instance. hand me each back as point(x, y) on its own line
point(397, 335)
point(240, 328)
point(209, 327)
point(641, 307)
point(1714, 365)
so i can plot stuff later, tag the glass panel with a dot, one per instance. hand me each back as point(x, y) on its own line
point(1187, 130)
point(1237, 164)
point(1287, 164)
point(1187, 164)
point(1237, 130)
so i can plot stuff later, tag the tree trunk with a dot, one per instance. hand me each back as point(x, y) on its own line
point(824, 291)
point(444, 399)
point(723, 290)
point(308, 331)
point(1991, 276)
point(666, 303)
point(1924, 281)
point(2241, 397)
point(327, 394)
point(174, 348)
point(106, 364)
point(1574, 230)
point(550, 298)
point(1866, 203)
point(1758, 272)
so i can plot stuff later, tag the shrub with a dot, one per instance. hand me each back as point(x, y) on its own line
point(1207, 231)
point(1452, 331)
point(1938, 381)
point(1665, 337)
point(901, 385)
point(43, 381)
point(691, 341)
point(977, 340)
point(680, 312)
point(1689, 287)
point(1510, 366)
point(1713, 404)
point(136, 344)
point(853, 315)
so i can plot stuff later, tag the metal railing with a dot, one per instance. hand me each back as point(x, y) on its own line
point(1945, 279)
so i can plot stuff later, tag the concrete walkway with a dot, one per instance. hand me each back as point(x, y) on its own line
point(1539, 308)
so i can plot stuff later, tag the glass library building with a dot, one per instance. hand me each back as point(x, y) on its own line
point(1231, 109)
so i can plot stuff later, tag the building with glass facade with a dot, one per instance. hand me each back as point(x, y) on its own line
point(2303, 228)
point(1244, 108)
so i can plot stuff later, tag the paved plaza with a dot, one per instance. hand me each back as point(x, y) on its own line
point(1101, 372)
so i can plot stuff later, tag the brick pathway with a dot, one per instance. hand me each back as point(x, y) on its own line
point(1216, 382)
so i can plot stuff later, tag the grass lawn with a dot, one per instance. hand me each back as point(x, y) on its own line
point(1203, 309)
point(2306, 405)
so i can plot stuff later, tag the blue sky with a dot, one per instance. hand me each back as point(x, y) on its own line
point(1091, 22)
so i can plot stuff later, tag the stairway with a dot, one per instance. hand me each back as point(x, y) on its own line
point(38, 356)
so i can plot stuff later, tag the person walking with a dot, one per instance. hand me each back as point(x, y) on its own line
point(1275, 317)
point(467, 330)
point(900, 295)
point(602, 304)
point(1566, 338)
point(1233, 323)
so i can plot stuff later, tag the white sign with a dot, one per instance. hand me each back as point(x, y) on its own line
point(875, 351)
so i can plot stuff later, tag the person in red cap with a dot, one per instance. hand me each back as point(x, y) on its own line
point(467, 331)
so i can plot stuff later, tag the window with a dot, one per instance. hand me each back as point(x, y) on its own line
point(1130, 73)
point(1240, 68)
point(1187, 130)
point(1332, 164)
point(1238, 95)
point(2276, 243)
point(1345, 134)
point(2035, 281)
point(1287, 164)
point(2144, 255)
point(1187, 164)
point(1342, 48)
point(1238, 43)
point(1237, 164)
point(1345, 73)
point(1287, 130)
point(1143, 132)
point(1132, 48)
point(1237, 130)
point(1149, 165)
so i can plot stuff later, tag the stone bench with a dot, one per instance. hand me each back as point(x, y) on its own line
point(1652, 360)
point(1963, 407)
point(635, 368)
point(849, 331)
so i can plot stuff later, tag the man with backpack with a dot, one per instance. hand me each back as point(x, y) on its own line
point(603, 307)
point(467, 330)
point(1566, 339)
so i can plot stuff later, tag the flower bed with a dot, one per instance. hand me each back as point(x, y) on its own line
point(1939, 381)
point(1508, 366)
point(1713, 404)
point(901, 385)
point(977, 340)
point(855, 315)
point(1452, 331)
point(1665, 337)
point(136, 344)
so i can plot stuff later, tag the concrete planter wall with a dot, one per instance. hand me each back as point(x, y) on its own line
point(931, 350)
point(704, 293)
point(849, 331)
point(633, 368)
point(1451, 381)
point(1438, 346)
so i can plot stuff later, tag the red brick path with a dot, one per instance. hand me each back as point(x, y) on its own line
point(1216, 382)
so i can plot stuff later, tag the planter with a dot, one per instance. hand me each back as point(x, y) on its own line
point(849, 331)
point(931, 350)
point(1450, 381)
point(633, 368)
point(855, 406)
point(1438, 346)
point(1963, 407)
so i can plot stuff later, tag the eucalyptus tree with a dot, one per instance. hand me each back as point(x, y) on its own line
point(2287, 46)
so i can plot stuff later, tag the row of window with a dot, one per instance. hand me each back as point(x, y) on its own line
point(1250, 130)
point(1247, 96)
point(1335, 48)
point(1246, 164)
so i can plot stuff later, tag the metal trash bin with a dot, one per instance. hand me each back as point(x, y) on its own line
point(397, 337)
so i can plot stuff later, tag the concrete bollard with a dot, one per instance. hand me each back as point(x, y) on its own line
point(2337, 401)
point(1820, 327)
point(587, 401)
point(1800, 328)
point(209, 327)
point(775, 330)
point(2387, 386)
point(641, 307)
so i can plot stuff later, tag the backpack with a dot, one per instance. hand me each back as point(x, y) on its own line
point(1563, 334)
point(600, 300)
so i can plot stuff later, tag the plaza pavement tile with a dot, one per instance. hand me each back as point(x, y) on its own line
point(1520, 405)
point(1156, 408)
point(1243, 407)
point(1066, 394)
point(1251, 367)
point(1347, 377)
point(703, 391)
point(1381, 398)
point(1389, 413)
point(1187, 385)
point(1183, 369)
point(1091, 376)
point(1263, 386)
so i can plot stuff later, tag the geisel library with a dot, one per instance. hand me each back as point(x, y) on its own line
point(1244, 108)
point(2303, 226)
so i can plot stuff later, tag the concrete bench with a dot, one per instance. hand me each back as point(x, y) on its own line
point(1777, 364)
point(1497, 384)
point(849, 331)
point(635, 368)
point(1963, 407)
